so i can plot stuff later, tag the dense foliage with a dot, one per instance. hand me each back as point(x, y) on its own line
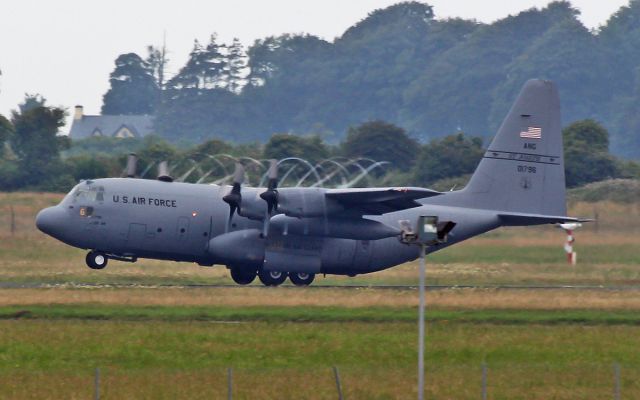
point(400, 64)
point(36, 158)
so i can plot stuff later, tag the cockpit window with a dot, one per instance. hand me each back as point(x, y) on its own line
point(88, 194)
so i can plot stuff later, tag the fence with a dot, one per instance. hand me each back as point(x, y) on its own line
point(466, 381)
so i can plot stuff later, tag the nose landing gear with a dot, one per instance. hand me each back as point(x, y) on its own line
point(96, 260)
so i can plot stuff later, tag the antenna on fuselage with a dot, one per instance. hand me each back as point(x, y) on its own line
point(132, 162)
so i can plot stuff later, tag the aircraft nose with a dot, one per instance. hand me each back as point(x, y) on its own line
point(50, 220)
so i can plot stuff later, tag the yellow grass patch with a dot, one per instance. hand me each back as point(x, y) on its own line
point(475, 299)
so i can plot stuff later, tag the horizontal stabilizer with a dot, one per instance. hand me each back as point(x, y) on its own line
point(522, 219)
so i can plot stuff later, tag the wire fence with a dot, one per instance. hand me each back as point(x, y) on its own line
point(522, 381)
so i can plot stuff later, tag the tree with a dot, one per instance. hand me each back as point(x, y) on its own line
point(449, 157)
point(133, 88)
point(6, 130)
point(236, 65)
point(586, 153)
point(157, 61)
point(205, 69)
point(88, 167)
point(310, 148)
point(455, 92)
point(215, 75)
point(37, 145)
point(381, 141)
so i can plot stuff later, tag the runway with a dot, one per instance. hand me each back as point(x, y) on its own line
point(74, 285)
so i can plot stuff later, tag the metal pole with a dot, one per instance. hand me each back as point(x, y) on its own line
point(338, 385)
point(616, 389)
point(423, 269)
point(484, 381)
point(96, 393)
point(13, 220)
point(229, 384)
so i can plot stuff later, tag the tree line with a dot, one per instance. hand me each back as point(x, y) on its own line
point(35, 157)
point(401, 65)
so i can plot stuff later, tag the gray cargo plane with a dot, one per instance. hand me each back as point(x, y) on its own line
point(298, 232)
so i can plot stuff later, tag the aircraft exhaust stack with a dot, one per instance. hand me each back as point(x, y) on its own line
point(132, 162)
point(163, 172)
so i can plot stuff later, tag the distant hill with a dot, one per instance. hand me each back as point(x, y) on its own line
point(433, 77)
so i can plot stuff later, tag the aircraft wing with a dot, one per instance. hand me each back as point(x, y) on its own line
point(377, 201)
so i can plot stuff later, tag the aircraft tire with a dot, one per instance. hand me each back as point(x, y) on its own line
point(96, 260)
point(301, 278)
point(272, 278)
point(242, 276)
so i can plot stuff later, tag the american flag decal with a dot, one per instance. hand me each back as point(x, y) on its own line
point(531, 133)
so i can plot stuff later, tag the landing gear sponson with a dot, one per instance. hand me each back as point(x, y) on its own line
point(243, 276)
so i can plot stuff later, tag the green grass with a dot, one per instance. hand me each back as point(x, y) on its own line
point(541, 255)
point(290, 360)
point(316, 314)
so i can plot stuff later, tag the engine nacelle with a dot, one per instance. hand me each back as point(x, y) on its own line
point(306, 203)
point(245, 247)
point(252, 206)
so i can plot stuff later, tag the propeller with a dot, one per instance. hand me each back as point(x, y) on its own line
point(234, 198)
point(270, 195)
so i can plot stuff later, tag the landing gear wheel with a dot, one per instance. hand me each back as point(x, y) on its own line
point(272, 278)
point(96, 260)
point(242, 276)
point(301, 278)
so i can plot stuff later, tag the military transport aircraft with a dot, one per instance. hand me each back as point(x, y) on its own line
point(298, 232)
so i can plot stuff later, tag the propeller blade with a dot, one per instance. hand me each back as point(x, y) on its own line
point(238, 174)
point(265, 226)
point(232, 210)
point(270, 196)
point(234, 198)
point(273, 174)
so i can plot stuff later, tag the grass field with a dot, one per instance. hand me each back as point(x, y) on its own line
point(158, 342)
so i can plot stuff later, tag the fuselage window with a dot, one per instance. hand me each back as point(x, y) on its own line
point(86, 211)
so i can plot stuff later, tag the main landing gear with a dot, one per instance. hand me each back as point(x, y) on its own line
point(244, 276)
point(96, 260)
point(301, 278)
point(272, 278)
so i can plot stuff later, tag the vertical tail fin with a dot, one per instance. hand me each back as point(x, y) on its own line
point(523, 168)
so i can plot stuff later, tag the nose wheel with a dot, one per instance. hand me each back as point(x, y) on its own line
point(96, 260)
point(272, 278)
point(301, 278)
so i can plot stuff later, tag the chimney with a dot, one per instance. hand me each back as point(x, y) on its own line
point(78, 114)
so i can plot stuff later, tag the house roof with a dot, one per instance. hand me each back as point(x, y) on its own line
point(109, 125)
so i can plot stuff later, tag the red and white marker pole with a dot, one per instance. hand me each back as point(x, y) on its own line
point(572, 256)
